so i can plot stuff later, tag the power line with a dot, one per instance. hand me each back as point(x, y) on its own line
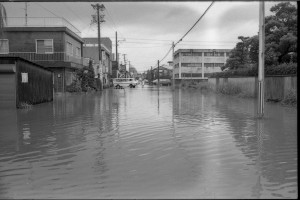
point(187, 32)
point(47, 10)
point(69, 8)
point(110, 16)
point(194, 24)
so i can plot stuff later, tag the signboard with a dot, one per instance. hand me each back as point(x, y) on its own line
point(24, 77)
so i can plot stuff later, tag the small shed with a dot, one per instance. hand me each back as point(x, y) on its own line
point(23, 81)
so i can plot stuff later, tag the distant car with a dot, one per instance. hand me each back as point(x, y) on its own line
point(124, 82)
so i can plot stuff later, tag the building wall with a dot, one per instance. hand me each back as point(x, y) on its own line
point(39, 87)
point(13, 91)
point(189, 62)
point(7, 90)
point(75, 44)
point(26, 41)
point(276, 87)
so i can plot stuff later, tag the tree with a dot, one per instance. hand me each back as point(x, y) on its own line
point(280, 40)
point(239, 55)
point(86, 75)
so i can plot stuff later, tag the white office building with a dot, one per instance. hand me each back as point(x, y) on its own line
point(188, 63)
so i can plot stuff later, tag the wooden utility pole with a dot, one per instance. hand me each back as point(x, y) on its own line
point(158, 73)
point(26, 14)
point(173, 74)
point(117, 57)
point(261, 59)
point(99, 7)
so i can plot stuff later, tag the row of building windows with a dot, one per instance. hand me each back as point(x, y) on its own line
point(206, 54)
point(44, 46)
point(200, 65)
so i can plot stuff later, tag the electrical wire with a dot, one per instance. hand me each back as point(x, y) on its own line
point(186, 32)
point(194, 24)
point(47, 10)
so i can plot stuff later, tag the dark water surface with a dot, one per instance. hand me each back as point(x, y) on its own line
point(145, 143)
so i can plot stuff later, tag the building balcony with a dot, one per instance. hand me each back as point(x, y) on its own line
point(49, 57)
point(41, 22)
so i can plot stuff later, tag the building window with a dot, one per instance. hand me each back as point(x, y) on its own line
point(186, 54)
point(77, 52)
point(69, 49)
point(191, 64)
point(4, 46)
point(44, 46)
point(219, 54)
point(219, 64)
point(197, 53)
point(208, 64)
point(207, 54)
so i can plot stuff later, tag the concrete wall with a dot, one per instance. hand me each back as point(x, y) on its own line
point(276, 87)
point(26, 41)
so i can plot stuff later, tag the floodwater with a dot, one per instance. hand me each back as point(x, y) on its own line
point(148, 143)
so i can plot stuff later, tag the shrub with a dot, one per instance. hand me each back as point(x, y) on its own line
point(74, 87)
point(229, 89)
point(252, 70)
point(25, 105)
point(290, 98)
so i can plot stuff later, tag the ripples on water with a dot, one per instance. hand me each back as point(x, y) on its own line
point(145, 143)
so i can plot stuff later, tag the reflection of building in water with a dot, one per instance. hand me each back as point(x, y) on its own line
point(189, 62)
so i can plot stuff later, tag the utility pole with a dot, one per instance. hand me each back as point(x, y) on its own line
point(151, 74)
point(117, 58)
point(261, 59)
point(125, 64)
point(173, 80)
point(128, 69)
point(157, 73)
point(26, 14)
point(100, 19)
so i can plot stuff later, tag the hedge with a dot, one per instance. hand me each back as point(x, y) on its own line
point(282, 69)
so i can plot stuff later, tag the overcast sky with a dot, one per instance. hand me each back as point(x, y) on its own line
point(150, 27)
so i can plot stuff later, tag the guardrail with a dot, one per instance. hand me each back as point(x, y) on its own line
point(41, 22)
point(56, 56)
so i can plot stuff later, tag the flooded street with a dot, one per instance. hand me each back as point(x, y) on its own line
point(148, 143)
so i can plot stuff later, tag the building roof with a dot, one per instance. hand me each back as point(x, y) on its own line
point(12, 59)
point(202, 50)
point(105, 42)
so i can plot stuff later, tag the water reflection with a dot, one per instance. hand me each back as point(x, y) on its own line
point(148, 142)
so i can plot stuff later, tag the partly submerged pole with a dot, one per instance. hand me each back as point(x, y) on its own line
point(261, 59)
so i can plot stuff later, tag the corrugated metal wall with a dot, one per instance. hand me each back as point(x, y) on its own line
point(39, 87)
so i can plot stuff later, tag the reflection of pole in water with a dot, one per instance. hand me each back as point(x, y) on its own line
point(158, 101)
point(257, 188)
point(179, 101)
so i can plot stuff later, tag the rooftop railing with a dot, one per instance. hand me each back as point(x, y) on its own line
point(56, 56)
point(41, 22)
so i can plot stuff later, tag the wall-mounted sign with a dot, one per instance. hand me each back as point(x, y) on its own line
point(24, 77)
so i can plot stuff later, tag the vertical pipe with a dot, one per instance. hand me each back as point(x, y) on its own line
point(261, 59)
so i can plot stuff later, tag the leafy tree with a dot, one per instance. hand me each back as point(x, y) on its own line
point(280, 40)
point(86, 75)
